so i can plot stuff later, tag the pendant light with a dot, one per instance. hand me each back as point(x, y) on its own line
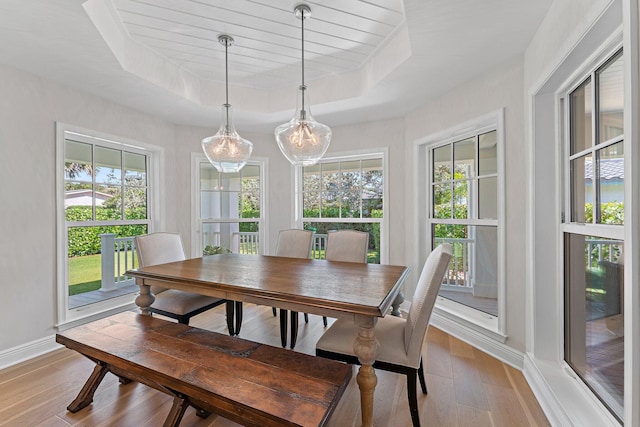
point(303, 141)
point(226, 150)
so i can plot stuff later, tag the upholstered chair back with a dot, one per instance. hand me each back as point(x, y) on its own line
point(159, 248)
point(294, 243)
point(423, 301)
point(347, 246)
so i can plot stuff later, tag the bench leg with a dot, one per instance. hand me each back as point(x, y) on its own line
point(85, 397)
point(178, 408)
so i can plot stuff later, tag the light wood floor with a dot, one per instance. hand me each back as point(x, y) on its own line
point(466, 387)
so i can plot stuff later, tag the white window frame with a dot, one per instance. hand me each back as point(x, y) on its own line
point(197, 222)
point(67, 317)
point(608, 231)
point(464, 318)
point(369, 154)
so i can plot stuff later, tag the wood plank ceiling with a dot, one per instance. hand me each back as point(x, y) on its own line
point(339, 36)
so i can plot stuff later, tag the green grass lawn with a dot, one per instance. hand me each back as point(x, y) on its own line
point(84, 273)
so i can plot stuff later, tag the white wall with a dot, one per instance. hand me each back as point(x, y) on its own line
point(500, 88)
point(29, 109)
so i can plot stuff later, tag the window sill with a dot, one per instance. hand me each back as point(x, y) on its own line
point(447, 311)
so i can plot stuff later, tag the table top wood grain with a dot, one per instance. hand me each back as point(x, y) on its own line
point(317, 286)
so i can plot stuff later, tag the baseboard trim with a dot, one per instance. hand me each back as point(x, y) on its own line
point(479, 340)
point(27, 351)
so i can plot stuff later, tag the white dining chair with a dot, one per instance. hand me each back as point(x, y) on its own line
point(161, 248)
point(401, 340)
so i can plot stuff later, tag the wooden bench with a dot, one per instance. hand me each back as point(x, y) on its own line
point(249, 383)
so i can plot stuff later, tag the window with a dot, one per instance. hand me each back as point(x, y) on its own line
point(464, 213)
point(344, 192)
point(229, 208)
point(593, 232)
point(104, 201)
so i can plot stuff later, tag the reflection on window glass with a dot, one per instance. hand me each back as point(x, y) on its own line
point(594, 320)
point(582, 189)
point(442, 163)
point(488, 153)
point(488, 198)
point(464, 157)
point(611, 99)
point(580, 120)
point(611, 184)
point(78, 162)
point(472, 277)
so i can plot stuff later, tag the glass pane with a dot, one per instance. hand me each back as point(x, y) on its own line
point(322, 228)
point(230, 181)
point(611, 184)
point(472, 277)
point(77, 161)
point(210, 204)
point(442, 200)
point(86, 247)
point(135, 169)
point(331, 178)
point(78, 201)
point(108, 200)
point(594, 319)
point(580, 117)
point(371, 204)
point(582, 189)
point(488, 153)
point(230, 203)
point(209, 177)
point(330, 204)
point(351, 176)
point(442, 163)
point(351, 204)
point(461, 199)
point(108, 165)
point(464, 156)
point(251, 204)
point(372, 185)
point(311, 205)
point(611, 99)
point(311, 178)
point(242, 238)
point(488, 198)
point(135, 203)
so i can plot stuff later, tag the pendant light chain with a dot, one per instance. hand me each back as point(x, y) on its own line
point(226, 76)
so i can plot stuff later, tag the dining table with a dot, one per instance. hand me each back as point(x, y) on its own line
point(361, 292)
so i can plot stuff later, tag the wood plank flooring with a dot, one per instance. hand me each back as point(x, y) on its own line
point(466, 387)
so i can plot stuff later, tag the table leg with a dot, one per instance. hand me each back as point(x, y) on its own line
point(145, 299)
point(366, 347)
point(395, 305)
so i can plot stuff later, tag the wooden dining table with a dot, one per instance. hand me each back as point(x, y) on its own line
point(362, 292)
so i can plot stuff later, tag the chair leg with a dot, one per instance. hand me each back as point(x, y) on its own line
point(413, 398)
point(324, 321)
point(230, 314)
point(294, 328)
point(238, 316)
point(283, 327)
point(306, 318)
point(423, 384)
point(275, 312)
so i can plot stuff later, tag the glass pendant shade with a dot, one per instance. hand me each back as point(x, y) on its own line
point(226, 150)
point(303, 141)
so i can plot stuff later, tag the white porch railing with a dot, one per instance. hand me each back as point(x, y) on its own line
point(459, 274)
point(118, 256)
point(609, 250)
point(246, 242)
point(319, 246)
